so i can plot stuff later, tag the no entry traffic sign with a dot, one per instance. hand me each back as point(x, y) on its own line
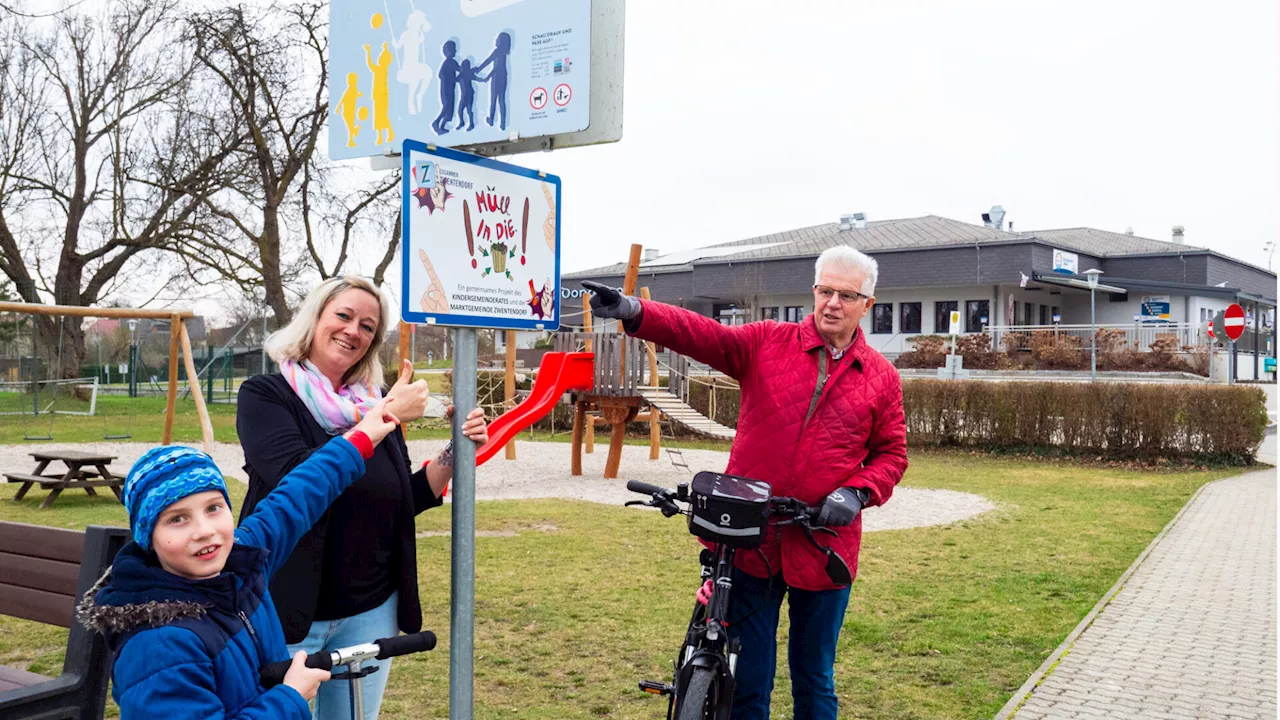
point(1233, 321)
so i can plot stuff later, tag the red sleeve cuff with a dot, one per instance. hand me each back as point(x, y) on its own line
point(362, 443)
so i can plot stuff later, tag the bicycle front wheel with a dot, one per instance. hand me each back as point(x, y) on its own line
point(698, 700)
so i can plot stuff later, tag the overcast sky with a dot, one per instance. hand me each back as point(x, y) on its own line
point(753, 117)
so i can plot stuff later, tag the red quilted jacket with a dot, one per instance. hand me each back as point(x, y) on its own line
point(856, 438)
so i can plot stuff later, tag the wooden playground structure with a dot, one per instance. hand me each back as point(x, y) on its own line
point(179, 340)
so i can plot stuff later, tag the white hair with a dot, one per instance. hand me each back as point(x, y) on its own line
point(843, 257)
point(293, 341)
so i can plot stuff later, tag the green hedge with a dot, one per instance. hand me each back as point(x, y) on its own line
point(1113, 420)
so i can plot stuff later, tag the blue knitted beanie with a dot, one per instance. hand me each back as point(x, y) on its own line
point(161, 477)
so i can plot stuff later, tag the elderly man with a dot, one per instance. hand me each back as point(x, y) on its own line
point(821, 420)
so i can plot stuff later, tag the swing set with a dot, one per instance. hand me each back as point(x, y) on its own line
point(178, 340)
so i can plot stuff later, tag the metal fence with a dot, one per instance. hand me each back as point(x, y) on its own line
point(1132, 336)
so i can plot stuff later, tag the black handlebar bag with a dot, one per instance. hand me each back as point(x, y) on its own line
point(729, 509)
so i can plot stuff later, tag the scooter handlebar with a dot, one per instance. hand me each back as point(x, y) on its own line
point(406, 644)
point(272, 674)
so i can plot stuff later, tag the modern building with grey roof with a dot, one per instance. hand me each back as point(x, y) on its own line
point(991, 274)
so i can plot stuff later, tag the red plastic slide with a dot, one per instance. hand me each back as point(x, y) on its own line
point(559, 373)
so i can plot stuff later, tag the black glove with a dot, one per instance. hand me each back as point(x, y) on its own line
point(842, 506)
point(609, 303)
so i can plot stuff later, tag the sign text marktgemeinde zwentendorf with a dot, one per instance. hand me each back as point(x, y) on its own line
point(481, 242)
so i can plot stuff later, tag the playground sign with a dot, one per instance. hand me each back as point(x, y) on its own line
point(456, 73)
point(480, 242)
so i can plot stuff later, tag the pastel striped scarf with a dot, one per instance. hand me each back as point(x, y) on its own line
point(336, 411)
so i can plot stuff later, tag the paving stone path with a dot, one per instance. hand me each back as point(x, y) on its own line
point(1191, 631)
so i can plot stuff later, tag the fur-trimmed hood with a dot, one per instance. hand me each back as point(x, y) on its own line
point(137, 593)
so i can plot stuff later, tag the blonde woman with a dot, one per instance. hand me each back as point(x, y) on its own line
point(353, 577)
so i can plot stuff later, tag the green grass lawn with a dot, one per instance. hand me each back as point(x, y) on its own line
point(143, 417)
point(583, 600)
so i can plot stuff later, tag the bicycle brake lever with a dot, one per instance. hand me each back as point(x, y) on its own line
point(826, 530)
point(629, 503)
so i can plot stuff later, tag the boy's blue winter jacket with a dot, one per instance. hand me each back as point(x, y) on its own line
point(192, 648)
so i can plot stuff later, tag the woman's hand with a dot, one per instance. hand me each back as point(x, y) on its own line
point(408, 398)
point(475, 426)
point(377, 423)
point(304, 679)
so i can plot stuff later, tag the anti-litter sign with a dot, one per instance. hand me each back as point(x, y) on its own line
point(480, 242)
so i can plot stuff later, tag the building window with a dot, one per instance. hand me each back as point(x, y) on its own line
point(1044, 314)
point(1118, 297)
point(769, 313)
point(942, 316)
point(1055, 315)
point(794, 313)
point(909, 319)
point(1028, 313)
point(1204, 314)
point(976, 318)
point(882, 318)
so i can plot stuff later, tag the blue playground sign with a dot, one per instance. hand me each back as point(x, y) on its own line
point(480, 242)
point(455, 72)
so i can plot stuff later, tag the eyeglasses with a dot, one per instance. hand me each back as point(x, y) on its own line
point(846, 297)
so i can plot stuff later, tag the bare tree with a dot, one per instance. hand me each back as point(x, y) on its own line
point(106, 155)
point(291, 214)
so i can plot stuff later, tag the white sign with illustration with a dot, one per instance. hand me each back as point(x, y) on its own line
point(1066, 262)
point(455, 72)
point(481, 242)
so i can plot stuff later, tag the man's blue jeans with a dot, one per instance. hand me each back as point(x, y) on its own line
point(816, 618)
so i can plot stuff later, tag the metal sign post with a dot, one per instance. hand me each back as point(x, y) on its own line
point(462, 616)
point(480, 248)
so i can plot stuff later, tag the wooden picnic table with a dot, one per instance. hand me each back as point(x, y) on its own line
point(85, 470)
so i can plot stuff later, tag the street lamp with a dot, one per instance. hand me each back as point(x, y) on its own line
point(1269, 249)
point(1092, 275)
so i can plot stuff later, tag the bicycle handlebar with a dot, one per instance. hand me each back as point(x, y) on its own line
point(643, 488)
point(779, 506)
point(272, 674)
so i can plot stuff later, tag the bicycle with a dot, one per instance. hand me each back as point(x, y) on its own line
point(734, 513)
point(353, 657)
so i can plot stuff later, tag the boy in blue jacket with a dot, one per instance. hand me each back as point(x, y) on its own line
point(185, 607)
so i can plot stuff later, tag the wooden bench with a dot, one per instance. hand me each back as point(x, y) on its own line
point(43, 573)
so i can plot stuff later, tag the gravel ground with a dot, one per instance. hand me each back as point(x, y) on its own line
point(541, 470)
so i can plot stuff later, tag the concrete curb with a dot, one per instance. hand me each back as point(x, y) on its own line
point(1011, 708)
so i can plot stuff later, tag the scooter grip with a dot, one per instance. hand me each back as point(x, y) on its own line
point(272, 674)
point(405, 644)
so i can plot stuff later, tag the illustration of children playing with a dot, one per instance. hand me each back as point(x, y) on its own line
point(448, 87)
point(346, 108)
point(498, 77)
point(381, 117)
point(414, 72)
point(467, 77)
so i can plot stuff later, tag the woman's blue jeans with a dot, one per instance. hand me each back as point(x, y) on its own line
point(333, 702)
point(816, 618)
